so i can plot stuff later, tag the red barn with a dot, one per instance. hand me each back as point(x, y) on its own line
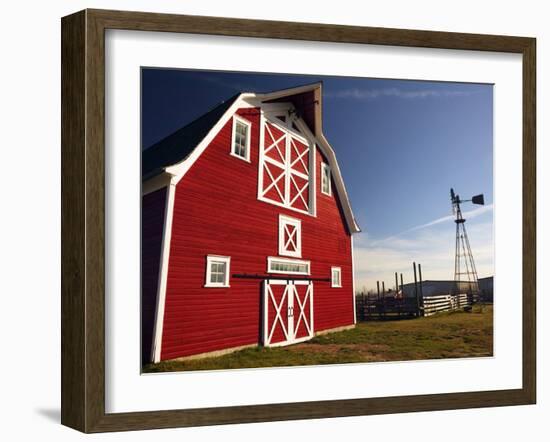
point(246, 230)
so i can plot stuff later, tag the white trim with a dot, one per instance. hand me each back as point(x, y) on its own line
point(339, 183)
point(286, 126)
point(280, 108)
point(286, 319)
point(339, 271)
point(248, 124)
point(155, 183)
point(353, 281)
point(288, 92)
point(325, 166)
point(284, 221)
point(309, 326)
point(313, 186)
point(265, 332)
point(288, 173)
point(217, 258)
point(266, 200)
point(271, 259)
point(312, 160)
point(261, 157)
point(181, 168)
point(163, 272)
point(248, 100)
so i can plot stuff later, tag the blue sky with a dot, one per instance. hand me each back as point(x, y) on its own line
point(400, 146)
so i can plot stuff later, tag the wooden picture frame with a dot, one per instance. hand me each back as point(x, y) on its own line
point(83, 220)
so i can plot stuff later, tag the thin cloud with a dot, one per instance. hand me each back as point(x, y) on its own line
point(371, 94)
point(433, 248)
point(468, 214)
point(444, 219)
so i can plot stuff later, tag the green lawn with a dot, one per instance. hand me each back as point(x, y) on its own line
point(446, 335)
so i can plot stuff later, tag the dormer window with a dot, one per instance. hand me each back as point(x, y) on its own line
point(240, 143)
point(325, 179)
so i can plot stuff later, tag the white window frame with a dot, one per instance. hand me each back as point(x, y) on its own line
point(272, 259)
point(332, 272)
point(323, 178)
point(248, 124)
point(283, 222)
point(217, 258)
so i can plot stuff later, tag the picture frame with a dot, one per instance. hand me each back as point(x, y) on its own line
point(83, 220)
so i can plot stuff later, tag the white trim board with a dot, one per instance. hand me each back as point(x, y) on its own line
point(248, 124)
point(271, 259)
point(210, 259)
point(180, 169)
point(285, 221)
point(163, 272)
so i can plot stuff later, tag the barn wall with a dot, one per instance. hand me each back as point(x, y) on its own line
point(216, 211)
point(152, 219)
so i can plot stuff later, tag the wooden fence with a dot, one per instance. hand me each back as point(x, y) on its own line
point(369, 307)
point(445, 303)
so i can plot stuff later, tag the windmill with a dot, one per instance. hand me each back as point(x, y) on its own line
point(465, 268)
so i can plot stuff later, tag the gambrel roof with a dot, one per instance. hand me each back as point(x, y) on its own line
point(176, 153)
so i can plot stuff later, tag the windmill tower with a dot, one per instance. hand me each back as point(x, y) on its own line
point(465, 268)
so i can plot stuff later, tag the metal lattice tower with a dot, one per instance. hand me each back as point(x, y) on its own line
point(465, 268)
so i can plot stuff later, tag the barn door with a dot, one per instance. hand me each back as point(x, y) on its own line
point(303, 310)
point(285, 169)
point(288, 312)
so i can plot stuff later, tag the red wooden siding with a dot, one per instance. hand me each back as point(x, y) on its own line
point(216, 211)
point(152, 222)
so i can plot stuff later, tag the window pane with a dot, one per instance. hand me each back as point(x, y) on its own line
point(217, 272)
point(239, 147)
point(336, 273)
point(279, 266)
point(326, 179)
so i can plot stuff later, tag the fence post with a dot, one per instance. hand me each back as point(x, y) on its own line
point(384, 299)
point(405, 302)
point(416, 291)
point(421, 288)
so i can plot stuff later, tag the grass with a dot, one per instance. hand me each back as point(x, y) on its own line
point(445, 335)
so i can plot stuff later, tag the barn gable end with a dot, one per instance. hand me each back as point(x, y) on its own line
point(219, 212)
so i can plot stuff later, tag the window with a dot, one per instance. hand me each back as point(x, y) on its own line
point(290, 236)
point(240, 145)
point(289, 266)
point(336, 278)
point(217, 271)
point(325, 179)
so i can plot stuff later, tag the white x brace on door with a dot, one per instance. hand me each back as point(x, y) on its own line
point(288, 312)
point(284, 177)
